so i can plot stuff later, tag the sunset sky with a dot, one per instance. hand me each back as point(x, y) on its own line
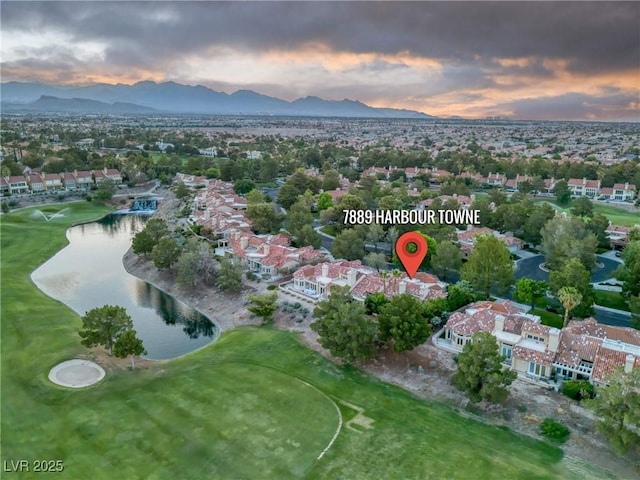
point(525, 60)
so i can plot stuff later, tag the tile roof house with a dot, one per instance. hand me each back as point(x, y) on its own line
point(467, 238)
point(584, 350)
point(315, 281)
point(265, 254)
point(36, 183)
point(581, 187)
point(463, 201)
point(17, 184)
point(620, 192)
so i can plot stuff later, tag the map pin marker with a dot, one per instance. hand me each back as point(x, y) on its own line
point(411, 256)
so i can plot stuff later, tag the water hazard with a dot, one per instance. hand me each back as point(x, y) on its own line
point(88, 273)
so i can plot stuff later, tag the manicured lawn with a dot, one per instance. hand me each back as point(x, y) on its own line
point(254, 404)
point(548, 318)
point(611, 300)
point(617, 216)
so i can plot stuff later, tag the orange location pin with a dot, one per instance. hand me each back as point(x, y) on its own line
point(410, 257)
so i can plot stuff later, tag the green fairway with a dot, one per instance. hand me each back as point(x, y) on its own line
point(255, 404)
point(618, 216)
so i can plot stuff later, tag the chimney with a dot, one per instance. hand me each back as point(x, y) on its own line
point(473, 197)
point(351, 277)
point(402, 287)
point(499, 323)
point(628, 363)
point(554, 339)
point(244, 241)
point(325, 270)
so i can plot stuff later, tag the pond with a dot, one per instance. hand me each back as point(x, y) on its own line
point(88, 273)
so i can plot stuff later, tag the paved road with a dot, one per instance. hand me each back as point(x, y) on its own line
point(612, 318)
point(530, 268)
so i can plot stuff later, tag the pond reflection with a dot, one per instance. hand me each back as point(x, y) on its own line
point(88, 273)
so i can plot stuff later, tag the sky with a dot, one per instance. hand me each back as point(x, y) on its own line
point(523, 60)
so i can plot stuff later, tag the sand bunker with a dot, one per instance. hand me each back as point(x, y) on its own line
point(76, 373)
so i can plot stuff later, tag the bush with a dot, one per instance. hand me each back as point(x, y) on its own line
point(578, 389)
point(272, 287)
point(5, 207)
point(297, 305)
point(251, 276)
point(88, 198)
point(554, 431)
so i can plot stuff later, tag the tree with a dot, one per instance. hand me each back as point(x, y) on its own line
point(565, 238)
point(447, 258)
point(582, 207)
point(103, 325)
point(537, 184)
point(106, 189)
point(157, 228)
point(128, 344)
point(528, 290)
point(629, 272)
point(562, 192)
point(324, 201)
point(402, 323)
point(489, 265)
point(535, 222)
point(374, 303)
point(570, 298)
point(574, 275)
point(525, 187)
point(243, 186)
point(181, 190)
point(288, 195)
point(348, 245)
point(618, 404)
point(187, 268)
point(432, 247)
point(143, 243)
point(458, 295)
point(331, 180)
point(376, 260)
point(298, 216)
point(165, 253)
point(263, 217)
point(308, 236)
point(347, 332)
point(263, 306)
point(254, 196)
point(598, 225)
point(480, 374)
point(230, 275)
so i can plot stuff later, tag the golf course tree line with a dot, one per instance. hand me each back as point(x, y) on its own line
point(629, 274)
point(353, 330)
point(187, 256)
point(111, 327)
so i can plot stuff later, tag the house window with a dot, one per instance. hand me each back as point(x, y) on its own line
point(506, 352)
point(537, 370)
point(448, 335)
point(535, 338)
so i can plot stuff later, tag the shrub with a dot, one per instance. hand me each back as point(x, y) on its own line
point(251, 276)
point(87, 198)
point(578, 389)
point(522, 408)
point(5, 207)
point(297, 305)
point(272, 287)
point(554, 431)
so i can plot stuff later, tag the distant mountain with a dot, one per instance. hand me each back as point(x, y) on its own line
point(171, 97)
point(47, 103)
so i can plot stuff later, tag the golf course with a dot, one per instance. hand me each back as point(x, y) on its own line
point(255, 404)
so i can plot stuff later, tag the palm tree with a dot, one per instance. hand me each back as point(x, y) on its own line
point(385, 276)
point(570, 298)
point(396, 274)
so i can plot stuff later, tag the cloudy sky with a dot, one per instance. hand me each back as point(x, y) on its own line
point(526, 60)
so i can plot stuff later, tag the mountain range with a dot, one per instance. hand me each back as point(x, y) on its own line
point(172, 97)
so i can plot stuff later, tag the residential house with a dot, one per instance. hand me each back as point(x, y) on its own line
point(583, 187)
point(17, 184)
point(620, 192)
point(52, 182)
point(513, 183)
point(464, 202)
point(113, 174)
point(68, 181)
point(496, 179)
point(265, 254)
point(209, 152)
point(84, 180)
point(584, 350)
point(315, 281)
point(99, 176)
point(36, 183)
point(4, 187)
point(467, 239)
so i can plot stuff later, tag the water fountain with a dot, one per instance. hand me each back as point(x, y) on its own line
point(48, 218)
